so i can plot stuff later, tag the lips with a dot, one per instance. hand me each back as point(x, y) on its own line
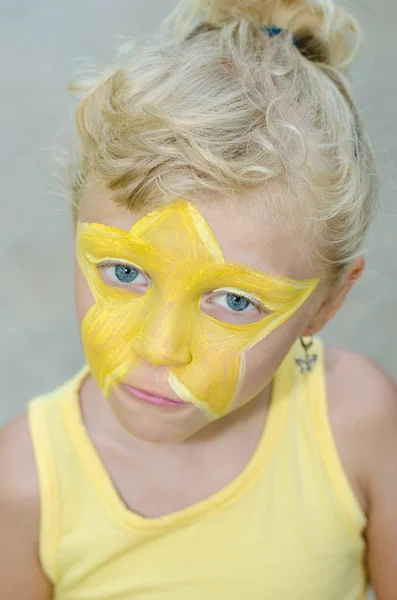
point(153, 398)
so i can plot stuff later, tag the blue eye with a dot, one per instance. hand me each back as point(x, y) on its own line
point(126, 274)
point(233, 301)
point(237, 303)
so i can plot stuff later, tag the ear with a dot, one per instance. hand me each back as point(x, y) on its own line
point(335, 297)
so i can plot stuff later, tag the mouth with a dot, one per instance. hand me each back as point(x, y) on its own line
point(153, 398)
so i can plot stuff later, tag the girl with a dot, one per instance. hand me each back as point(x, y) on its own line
point(212, 448)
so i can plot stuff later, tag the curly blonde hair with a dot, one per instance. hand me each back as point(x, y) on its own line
point(216, 104)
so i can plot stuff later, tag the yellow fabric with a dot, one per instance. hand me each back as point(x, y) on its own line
point(287, 528)
point(177, 249)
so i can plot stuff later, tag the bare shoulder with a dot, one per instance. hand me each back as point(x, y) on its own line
point(19, 496)
point(20, 570)
point(360, 388)
point(18, 474)
point(362, 405)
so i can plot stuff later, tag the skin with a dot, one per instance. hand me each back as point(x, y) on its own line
point(158, 353)
point(149, 451)
point(174, 312)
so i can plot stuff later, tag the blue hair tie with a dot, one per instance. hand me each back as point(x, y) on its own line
point(272, 31)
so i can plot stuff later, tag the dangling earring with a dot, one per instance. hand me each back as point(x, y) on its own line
point(306, 364)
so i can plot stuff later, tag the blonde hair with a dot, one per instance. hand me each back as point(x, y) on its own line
point(218, 105)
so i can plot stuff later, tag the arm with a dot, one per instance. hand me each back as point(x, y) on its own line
point(382, 491)
point(364, 416)
point(363, 413)
point(21, 575)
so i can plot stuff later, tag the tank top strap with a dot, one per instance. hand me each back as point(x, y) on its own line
point(316, 431)
point(55, 465)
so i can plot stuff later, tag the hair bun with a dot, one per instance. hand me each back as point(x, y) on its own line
point(326, 33)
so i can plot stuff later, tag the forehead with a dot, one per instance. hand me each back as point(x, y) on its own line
point(246, 228)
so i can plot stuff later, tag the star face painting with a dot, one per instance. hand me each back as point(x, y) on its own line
point(163, 323)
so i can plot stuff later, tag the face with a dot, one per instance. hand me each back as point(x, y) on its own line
point(194, 303)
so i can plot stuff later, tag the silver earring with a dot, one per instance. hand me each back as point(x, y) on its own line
point(306, 364)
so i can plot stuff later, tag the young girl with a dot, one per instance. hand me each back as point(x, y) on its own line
point(212, 448)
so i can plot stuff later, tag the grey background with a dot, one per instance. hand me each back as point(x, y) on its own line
point(43, 44)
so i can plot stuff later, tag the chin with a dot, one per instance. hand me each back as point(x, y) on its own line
point(154, 423)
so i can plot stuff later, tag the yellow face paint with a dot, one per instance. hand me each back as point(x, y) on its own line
point(165, 324)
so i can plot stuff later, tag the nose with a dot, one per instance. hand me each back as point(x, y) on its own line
point(164, 341)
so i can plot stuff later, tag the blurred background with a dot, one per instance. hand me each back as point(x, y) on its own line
point(44, 43)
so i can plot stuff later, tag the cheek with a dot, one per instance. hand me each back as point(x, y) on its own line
point(263, 360)
point(84, 298)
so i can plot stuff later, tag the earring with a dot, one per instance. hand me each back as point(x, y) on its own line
point(306, 364)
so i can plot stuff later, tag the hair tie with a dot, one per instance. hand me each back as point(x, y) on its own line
point(272, 31)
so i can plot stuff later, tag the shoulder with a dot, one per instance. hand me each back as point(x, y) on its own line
point(365, 390)
point(362, 405)
point(19, 488)
point(18, 474)
point(21, 573)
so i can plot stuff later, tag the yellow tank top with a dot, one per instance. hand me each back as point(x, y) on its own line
point(287, 528)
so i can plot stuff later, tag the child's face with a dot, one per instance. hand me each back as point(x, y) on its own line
point(198, 303)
